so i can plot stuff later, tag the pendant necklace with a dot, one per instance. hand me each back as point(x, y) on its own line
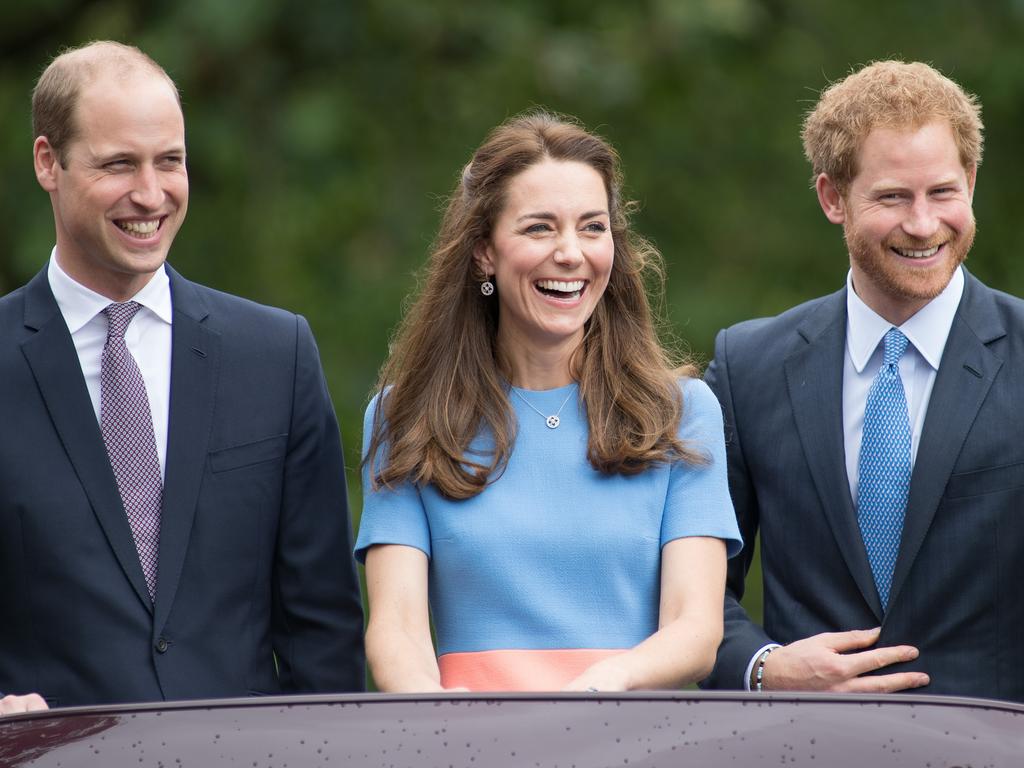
point(552, 421)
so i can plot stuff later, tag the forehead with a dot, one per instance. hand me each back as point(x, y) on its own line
point(557, 182)
point(136, 107)
point(929, 149)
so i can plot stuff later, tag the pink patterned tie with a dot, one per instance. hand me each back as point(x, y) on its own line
point(127, 426)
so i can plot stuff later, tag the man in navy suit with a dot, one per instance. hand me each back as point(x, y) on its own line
point(173, 514)
point(874, 434)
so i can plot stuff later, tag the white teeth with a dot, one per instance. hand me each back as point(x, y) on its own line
point(140, 227)
point(917, 254)
point(562, 286)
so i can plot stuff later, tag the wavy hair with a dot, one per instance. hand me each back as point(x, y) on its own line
point(888, 94)
point(444, 381)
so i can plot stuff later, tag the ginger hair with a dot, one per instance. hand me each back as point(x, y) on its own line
point(886, 94)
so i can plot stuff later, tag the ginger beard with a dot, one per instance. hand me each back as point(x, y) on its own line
point(897, 276)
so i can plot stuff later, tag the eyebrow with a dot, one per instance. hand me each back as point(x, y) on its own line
point(888, 186)
point(108, 156)
point(547, 216)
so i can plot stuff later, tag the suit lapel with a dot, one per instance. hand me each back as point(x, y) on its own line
point(195, 359)
point(814, 377)
point(51, 355)
point(965, 374)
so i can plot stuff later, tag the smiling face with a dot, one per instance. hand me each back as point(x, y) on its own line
point(550, 256)
point(907, 217)
point(122, 192)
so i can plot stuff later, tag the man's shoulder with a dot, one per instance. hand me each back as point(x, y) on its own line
point(810, 316)
point(224, 311)
point(14, 313)
point(13, 301)
point(12, 318)
point(1009, 306)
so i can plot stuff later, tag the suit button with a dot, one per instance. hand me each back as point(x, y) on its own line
point(162, 645)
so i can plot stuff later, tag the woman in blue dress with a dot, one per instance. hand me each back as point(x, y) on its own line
point(539, 476)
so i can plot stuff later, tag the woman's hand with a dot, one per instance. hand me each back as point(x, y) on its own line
point(683, 649)
point(605, 675)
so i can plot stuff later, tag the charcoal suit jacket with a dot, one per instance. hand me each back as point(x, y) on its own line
point(955, 593)
point(256, 592)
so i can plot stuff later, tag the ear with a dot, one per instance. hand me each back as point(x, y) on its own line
point(46, 163)
point(483, 257)
point(831, 199)
point(972, 176)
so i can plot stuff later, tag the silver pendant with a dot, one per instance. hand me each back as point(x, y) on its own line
point(553, 421)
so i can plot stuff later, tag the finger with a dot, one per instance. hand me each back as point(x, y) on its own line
point(853, 639)
point(35, 703)
point(878, 658)
point(899, 681)
point(12, 705)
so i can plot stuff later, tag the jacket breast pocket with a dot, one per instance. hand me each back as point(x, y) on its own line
point(981, 481)
point(248, 454)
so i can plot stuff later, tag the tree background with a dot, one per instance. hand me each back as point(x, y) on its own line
point(324, 136)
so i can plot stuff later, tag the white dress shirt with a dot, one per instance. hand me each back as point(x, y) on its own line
point(927, 332)
point(148, 338)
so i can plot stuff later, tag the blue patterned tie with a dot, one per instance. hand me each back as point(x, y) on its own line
point(884, 482)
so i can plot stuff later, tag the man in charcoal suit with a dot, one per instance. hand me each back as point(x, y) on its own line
point(874, 434)
point(173, 515)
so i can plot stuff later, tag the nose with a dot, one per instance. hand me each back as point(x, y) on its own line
point(147, 191)
point(921, 222)
point(568, 252)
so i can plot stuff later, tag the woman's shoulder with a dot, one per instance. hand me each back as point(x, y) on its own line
point(697, 395)
point(374, 404)
point(702, 414)
point(371, 420)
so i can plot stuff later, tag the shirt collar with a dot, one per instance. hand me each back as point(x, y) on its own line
point(79, 304)
point(927, 330)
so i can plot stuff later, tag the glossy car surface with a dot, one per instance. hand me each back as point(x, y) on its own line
point(549, 731)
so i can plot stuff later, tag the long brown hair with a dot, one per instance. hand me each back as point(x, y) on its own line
point(444, 382)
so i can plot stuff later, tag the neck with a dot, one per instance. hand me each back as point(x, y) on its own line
point(116, 287)
point(893, 310)
point(538, 367)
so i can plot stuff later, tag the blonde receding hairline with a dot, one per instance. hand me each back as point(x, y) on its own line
point(56, 94)
point(99, 57)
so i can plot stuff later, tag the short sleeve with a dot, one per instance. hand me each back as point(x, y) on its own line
point(698, 501)
point(392, 515)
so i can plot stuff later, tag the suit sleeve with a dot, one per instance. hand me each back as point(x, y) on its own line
point(317, 621)
point(743, 638)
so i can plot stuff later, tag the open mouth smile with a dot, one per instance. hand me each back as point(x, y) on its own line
point(140, 229)
point(911, 253)
point(566, 290)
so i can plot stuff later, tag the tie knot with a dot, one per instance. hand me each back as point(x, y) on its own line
point(119, 316)
point(895, 346)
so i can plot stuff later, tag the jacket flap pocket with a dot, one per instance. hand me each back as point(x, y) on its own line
point(988, 480)
point(245, 455)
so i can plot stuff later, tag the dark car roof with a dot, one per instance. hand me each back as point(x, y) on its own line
point(549, 731)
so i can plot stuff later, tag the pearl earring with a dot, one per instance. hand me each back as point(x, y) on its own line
point(486, 287)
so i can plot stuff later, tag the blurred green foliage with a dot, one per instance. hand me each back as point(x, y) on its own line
point(324, 137)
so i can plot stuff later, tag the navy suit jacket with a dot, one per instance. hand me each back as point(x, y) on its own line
point(257, 591)
point(953, 593)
